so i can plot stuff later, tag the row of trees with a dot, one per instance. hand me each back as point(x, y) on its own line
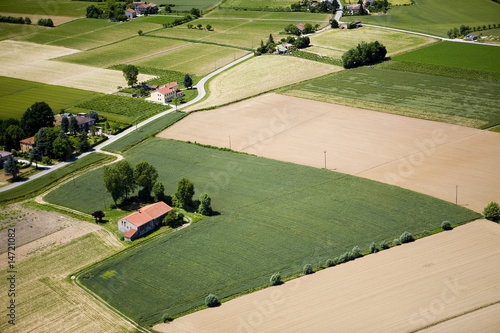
point(200, 27)
point(364, 54)
point(294, 30)
point(465, 30)
point(322, 7)
point(16, 20)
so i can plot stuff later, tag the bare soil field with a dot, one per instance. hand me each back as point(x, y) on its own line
point(267, 72)
point(420, 155)
point(29, 61)
point(402, 289)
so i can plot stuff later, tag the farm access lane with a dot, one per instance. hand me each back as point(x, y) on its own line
point(201, 94)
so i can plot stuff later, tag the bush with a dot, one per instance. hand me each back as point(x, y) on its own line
point(446, 225)
point(308, 269)
point(173, 219)
point(356, 252)
point(373, 248)
point(45, 22)
point(345, 257)
point(330, 263)
point(46, 160)
point(336, 261)
point(396, 242)
point(384, 245)
point(165, 318)
point(275, 279)
point(212, 301)
point(492, 211)
point(406, 237)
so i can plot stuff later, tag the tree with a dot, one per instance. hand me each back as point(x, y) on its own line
point(64, 124)
point(98, 215)
point(14, 134)
point(211, 301)
point(93, 12)
point(158, 191)
point(308, 29)
point(195, 12)
point(41, 141)
point(83, 144)
point(130, 73)
point(270, 40)
point(35, 155)
point(61, 148)
point(176, 101)
point(302, 42)
point(27, 20)
point(450, 33)
point(113, 184)
point(334, 24)
point(492, 211)
point(94, 115)
point(37, 116)
point(126, 172)
point(200, 26)
point(139, 32)
point(364, 54)
point(93, 130)
point(145, 175)
point(295, 7)
point(184, 195)
point(10, 167)
point(362, 10)
point(188, 81)
point(173, 219)
point(209, 27)
point(73, 124)
point(292, 29)
point(205, 205)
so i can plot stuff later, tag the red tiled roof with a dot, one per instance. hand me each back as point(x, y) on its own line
point(300, 26)
point(28, 141)
point(143, 6)
point(130, 10)
point(130, 233)
point(165, 90)
point(148, 213)
point(152, 5)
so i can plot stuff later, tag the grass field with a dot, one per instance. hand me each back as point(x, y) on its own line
point(86, 33)
point(257, 4)
point(184, 6)
point(198, 59)
point(50, 302)
point(9, 30)
point(261, 228)
point(417, 95)
point(132, 108)
point(232, 84)
point(123, 52)
point(284, 16)
point(437, 17)
point(18, 95)
point(464, 56)
point(47, 8)
point(335, 42)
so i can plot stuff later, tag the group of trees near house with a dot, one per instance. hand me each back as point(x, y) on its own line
point(322, 7)
point(113, 11)
point(364, 54)
point(299, 43)
point(294, 30)
point(465, 30)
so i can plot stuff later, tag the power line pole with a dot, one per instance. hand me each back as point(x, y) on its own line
point(325, 159)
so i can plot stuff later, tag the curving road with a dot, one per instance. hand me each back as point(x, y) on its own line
point(201, 94)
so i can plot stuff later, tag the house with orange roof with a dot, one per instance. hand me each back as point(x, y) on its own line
point(130, 13)
point(142, 222)
point(165, 93)
point(27, 144)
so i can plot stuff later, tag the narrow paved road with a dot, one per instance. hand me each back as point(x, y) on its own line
point(201, 94)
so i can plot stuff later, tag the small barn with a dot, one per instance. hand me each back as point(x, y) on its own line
point(142, 222)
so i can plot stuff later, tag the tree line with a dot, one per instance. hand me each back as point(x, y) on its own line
point(464, 30)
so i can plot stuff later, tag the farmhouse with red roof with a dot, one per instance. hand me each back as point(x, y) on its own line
point(166, 93)
point(143, 221)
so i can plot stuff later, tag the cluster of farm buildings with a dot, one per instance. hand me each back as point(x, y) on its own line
point(140, 8)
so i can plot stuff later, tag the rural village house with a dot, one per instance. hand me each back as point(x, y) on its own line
point(27, 144)
point(130, 13)
point(166, 93)
point(84, 123)
point(142, 7)
point(143, 221)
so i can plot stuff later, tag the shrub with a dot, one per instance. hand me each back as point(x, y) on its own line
point(373, 248)
point(166, 317)
point(336, 260)
point(384, 245)
point(492, 211)
point(275, 279)
point(396, 241)
point(356, 252)
point(330, 263)
point(308, 269)
point(406, 237)
point(345, 257)
point(212, 301)
point(173, 219)
point(446, 225)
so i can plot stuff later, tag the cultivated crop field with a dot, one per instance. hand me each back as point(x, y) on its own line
point(402, 289)
point(198, 59)
point(86, 33)
point(261, 215)
point(257, 4)
point(9, 30)
point(281, 16)
point(437, 17)
point(18, 95)
point(410, 94)
point(185, 6)
point(335, 42)
point(391, 149)
point(32, 62)
point(48, 9)
point(124, 51)
point(49, 301)
point(458, 55)
point(270, 71)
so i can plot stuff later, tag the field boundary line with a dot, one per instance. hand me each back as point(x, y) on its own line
point(157, 53)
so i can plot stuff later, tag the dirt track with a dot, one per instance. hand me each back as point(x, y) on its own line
point(398, 290)
point(424, 156)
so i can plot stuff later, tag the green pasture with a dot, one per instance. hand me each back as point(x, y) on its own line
point(186, 5)
point(257, 4)
point(122, 52)
point(199, 59)
point(158, 19)
point(283, 16)
point(446, 99)
point(18, 95)
point(50, 8)
point(287, 216)
point(459, 55)
point(9, 30)
point(86, 33)
point(127, 107)
point(437, 17)
point(336, 42)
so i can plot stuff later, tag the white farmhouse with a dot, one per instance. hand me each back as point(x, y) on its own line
point(143, 221)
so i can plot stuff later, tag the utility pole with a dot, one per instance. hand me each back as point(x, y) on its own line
point(325, 159)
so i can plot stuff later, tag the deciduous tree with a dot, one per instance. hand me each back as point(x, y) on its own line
point(158, 191)
point(145, 175)
point(130, 73)
point(205, 205)
point(61, 148)
point(64, 124)
point(126, 172)
point(35, 155)
point(37, 116)
point(73, 125)
point(113, 184)
point(10, 167)
point(184, 195)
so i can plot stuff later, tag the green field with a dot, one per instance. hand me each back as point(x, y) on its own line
point(86, 33)
point(284, 16)
point(286, 216)
point(123, 51)
point(453, 100)
point(437, 17)
point(257, 4)
point(18, 95)
point(131, 108)
point(186, 5)
point(49, 8)
point(335, 42)
point(459, 55)
point(9, 30)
